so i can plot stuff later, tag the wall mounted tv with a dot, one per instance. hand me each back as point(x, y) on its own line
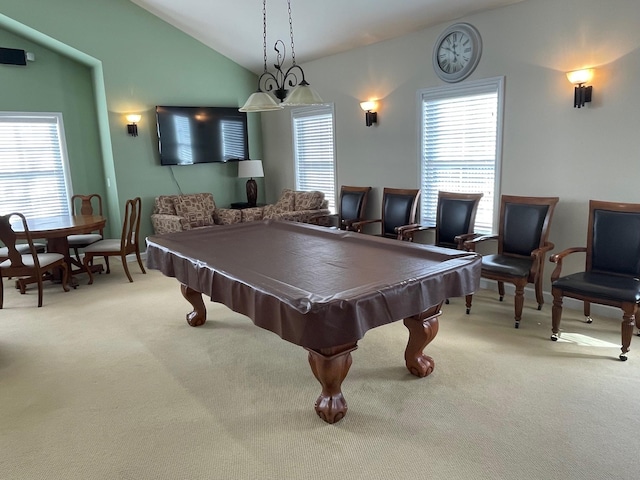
point(190, 135)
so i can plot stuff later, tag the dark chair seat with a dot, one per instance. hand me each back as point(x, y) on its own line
point(613, 287)
point(511, 266)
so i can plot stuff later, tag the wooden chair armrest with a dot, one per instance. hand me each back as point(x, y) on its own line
point(465, 237)
point(406, 232)
point(357, 226)
point(558, 257)
point(470, 245)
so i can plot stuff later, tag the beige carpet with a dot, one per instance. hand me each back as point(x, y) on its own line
point(109, 382)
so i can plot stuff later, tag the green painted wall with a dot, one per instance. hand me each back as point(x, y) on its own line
point(135, 62)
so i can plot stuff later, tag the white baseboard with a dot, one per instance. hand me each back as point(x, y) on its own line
point(530, 295)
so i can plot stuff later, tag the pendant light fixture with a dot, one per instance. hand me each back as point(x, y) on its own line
point(279, 82)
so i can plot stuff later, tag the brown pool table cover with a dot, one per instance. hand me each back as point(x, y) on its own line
point(313, 286)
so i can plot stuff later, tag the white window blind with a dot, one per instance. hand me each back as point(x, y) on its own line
point(460, 146)
point(314, 151)
point(33, 165)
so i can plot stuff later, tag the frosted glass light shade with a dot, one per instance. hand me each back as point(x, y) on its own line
point(260, 102)
point(368, 106)
point(250, 168)
point(133, 118)
point(303, 94)
point(578, 77)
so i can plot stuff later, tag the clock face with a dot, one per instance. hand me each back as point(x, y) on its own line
point(457, 52)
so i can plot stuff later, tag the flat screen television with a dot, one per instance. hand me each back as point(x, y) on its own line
point(191, 135)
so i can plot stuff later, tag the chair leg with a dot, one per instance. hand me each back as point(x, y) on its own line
point(587, 312)
point(88, 258)
point(65, 277)
point(501, 290)
point(1, 292)
point(628, 322)
point(539, 295)
point(556, 314)
point(467, 300)
point(106, 262)
point(519, 303)
point(140, 261)
point(40, 290)
point(126, 268)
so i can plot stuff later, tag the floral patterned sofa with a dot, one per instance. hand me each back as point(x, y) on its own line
point(174, 213)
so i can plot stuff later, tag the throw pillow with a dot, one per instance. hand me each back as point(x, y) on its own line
point(308, 200)
point(194, 209)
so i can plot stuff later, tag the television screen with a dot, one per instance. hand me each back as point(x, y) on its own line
point(190, 135)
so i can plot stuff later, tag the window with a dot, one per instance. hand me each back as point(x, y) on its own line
point(460, 145)
point(314, 151)
point(34, 176)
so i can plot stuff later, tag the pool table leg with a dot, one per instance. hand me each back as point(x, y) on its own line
point(330, 366)
point(422, 329)
point(198, 316)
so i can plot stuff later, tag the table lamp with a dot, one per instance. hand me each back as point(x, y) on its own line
point(251, 168)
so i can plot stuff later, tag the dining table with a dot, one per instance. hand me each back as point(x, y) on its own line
point(55, 229)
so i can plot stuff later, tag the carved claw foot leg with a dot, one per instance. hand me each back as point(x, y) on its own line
point(198, 316)
point(330, 367)
point(422, 329)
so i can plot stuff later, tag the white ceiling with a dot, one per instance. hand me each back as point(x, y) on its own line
point(321, 27)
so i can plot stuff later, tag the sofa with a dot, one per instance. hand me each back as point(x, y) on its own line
point(175, 213)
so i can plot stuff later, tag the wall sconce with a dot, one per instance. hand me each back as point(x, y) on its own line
point(369, 117)
point(581, 94)
point(132, 127)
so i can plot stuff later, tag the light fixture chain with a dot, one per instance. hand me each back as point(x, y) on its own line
point(293, 51)
point(264, 32)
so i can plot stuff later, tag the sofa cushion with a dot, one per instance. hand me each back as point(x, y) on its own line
point(197, 208)
point(252, 214)
point(227, 216)
point(308, 200)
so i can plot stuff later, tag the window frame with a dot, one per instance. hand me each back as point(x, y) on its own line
point(50, 118)
point(466, 88)
point(313, 111)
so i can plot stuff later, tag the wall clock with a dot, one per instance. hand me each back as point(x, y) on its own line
point(457, 52)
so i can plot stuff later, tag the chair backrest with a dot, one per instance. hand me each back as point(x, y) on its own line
point(399, 207)
point(86, 205)
point(8, 237)
point(524, 223)
point(131, 225)
point(455, 215)
point(613, 238)
point(353, 201)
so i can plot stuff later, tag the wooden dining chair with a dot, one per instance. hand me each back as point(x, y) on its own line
point(85, 205)
point(351, 207)
point(129, 242)
point(32, 264)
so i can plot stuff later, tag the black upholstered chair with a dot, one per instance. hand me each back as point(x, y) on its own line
point(612, 267)
point(353, 201)
point(455, 219)
point(399, 206)
point(522, 246)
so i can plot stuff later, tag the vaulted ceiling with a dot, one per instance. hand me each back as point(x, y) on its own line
point(234, 28)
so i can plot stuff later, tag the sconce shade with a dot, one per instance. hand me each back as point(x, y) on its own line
point(133, 118)
point(578, 77)
point(367, 106)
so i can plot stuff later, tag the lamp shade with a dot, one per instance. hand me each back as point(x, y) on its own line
point(260, 102)
point(368, 106)
point(301, 95)
point(579, 77)
point(250, 168)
